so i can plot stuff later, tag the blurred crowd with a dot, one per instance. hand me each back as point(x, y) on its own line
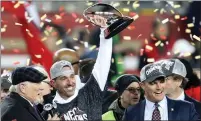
point(87, 77)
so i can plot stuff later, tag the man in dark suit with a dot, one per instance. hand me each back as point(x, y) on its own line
point(156, 105)
point(175, 72)
point(20, 105)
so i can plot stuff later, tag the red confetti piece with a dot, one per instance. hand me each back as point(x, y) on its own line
point(153, 38)
point(163, 37)
point(16, 50)
point(139, 36)
point(16, 62)
point(74, 15)
point(184, 18)
point(132, 27)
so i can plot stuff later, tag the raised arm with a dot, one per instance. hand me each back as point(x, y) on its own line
point(103, 61)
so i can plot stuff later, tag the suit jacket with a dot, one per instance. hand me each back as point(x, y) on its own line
point(177, 110)
point(196, 103)
point(15, 107)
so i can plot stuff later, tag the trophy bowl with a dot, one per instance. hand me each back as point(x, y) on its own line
point(115, 22)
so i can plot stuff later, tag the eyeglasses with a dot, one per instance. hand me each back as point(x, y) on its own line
point(134, 90)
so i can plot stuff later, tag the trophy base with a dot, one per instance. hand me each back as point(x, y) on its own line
point(117, 27)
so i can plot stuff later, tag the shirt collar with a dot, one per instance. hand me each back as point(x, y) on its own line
point(181, 97)
point(60, 100)
point(162, 103)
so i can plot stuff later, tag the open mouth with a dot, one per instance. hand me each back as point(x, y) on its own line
point(158, 93)
point(70, 88)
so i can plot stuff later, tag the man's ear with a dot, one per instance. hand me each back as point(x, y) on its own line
point(52, 83)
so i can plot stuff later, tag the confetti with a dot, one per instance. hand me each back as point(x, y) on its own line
point(126, 9)
point(172, 11)
point(135, 17)
point(76, 47)
point(41, 24)
point(188, 31)
point(2, 9)
point(86, 44)
point(16, 50)
point(156, 10)
point(76, 20)
point(92, 47)
point(190, 25)
point(126, 37)
point(162, 11)
point(157, 43)
point(16, 62)
point(139, 36)
point(18, 24)
point(150, 60)
point(2, 47)
point(89, 3)
point(74, 15)
point(191, 36)
point(3, 29)
point(116, 4)
point(46, 33)
point(177, 6)
point(168, 53)
point(57, 17)
point(74, 38)
point(178, 28)
point(165, 20)
point(172, 21)
point(177, 16)
point(131, 27)
point(86, 26)
point(44, 38)
point(128, 2)
point(59, 42)
point(161, 44)
point(112, 60)
point(196, 37)
point(184, 18)
point(146, 41)
point(167, 43)
point(120, 62)
point(38, 56)
point(68, 31)
point(148, 47)
point(43, 17)
point(136, 5)
point(17, 5)
point(28, 61)
point(197, 57)
point(81, 20)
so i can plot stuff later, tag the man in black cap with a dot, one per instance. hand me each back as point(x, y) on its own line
point(129, 91)
point(156, 105)
point(20, 105)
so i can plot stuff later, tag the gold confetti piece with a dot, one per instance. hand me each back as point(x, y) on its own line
point(128, 2)
point(172, 11)
point(177, 16)
point(146, 41)
point(92, 47)
point(59, 42)
point(148, 47)
point(135, 17)
point(120, 62)
point(43, 17)
point(75, 39)
point(187, 54)
point(177, 6)
point(112, 60)
point(197, 57)
point(2, 9)
point(150, 60)
point(168, 53)
point(196, 37)
point(190, 25)
point(17, 5)
point(44, 38)
point(38, 56)
point(86, 44)
point(192, 43)
point(21, 2)
point(136, 5)
point(126, 37)
point(3, 29)
point(57, 16)
point(162, 11)
point(157, 43)
point(161, 44)
point(116, 4)
point(156, 10)
point(76, 20)
point(191, 36)
point(126, 9)
point(188, 31)
point(89, 3)
point(178, 28)
point(81, 20)
point(28, 62)
point(18, 24)
point(165, 20)
point(46, 33)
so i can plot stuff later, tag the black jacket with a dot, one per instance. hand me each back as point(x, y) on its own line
point(15, 107)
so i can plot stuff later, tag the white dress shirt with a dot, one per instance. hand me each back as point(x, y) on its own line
point(150, 106)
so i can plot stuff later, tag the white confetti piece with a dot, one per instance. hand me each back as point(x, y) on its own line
point(38, 56)
point(165, 20)
point(43, 17)
point(177, 16)
point(116, 4)
point(197, 57)
point(188, 31)
point(157, 43)
point(150, 60)
point(190, 25)
point(177, 6)
point(18, 24)
point(148, 47)
point(59, 42)
point(126, 37)
point(196, 37)
point(156, 10)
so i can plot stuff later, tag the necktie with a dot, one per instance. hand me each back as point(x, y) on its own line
point(156, 113)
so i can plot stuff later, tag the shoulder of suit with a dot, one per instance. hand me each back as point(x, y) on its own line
point(134, 107)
